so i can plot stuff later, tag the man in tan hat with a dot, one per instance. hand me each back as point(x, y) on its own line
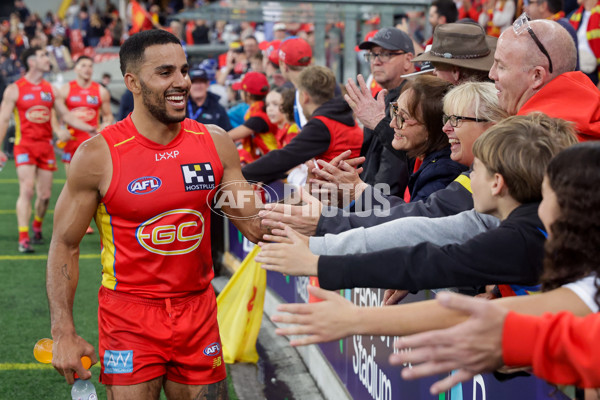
point(460, 52)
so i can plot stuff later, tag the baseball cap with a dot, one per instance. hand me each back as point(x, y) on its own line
point(368, 37)
point(253, 83)
point(199, 73)
point(390, 39)
point(272, 51)
point(295, 51)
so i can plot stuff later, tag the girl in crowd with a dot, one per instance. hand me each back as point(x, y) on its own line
point(280, 110)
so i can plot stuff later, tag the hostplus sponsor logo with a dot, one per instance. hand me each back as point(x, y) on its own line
point(198, 176)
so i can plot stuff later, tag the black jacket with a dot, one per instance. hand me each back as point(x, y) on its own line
point(509, 254)
point(383, 163)
point(313, 139)
point(212, 112)
point(455, 198)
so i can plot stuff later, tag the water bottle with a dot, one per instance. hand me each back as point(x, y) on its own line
point(83, 390)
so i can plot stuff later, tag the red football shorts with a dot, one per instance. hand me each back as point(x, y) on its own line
point(141, 339)
point(70, 148)
point(40, 154)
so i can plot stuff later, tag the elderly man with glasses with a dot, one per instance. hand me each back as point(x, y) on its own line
point(389, 54)
point(533, 70)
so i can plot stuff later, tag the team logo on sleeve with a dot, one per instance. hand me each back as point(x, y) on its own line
point(198, 176)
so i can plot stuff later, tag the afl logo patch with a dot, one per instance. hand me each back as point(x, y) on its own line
point(144, 185)
point(38, 114)
point(212, 350)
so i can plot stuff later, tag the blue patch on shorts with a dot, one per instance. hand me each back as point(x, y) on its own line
point(23, 158)
point(66, 157)
point(118, 362)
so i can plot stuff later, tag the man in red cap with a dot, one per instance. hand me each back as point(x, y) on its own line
point(295, 54)
point(257, 133)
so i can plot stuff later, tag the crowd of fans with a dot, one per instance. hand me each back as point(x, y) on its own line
point(465, 156)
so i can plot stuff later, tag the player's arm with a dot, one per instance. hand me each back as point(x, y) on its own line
point(62, 132)
point(68, 117)
point(105, 110)
point(245, 217)
point(89, 176)
point(9, 101)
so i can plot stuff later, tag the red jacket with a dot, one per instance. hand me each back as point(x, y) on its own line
point(571, 96)
point(561, 348)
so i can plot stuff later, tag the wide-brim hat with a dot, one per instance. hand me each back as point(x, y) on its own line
point(462, 45)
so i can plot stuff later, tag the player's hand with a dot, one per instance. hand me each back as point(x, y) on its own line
point(303, 219)
point(66, 356)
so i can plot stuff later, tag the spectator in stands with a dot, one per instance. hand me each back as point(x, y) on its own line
point(586, 21)
point(257, 134)
point(469, 9)
point(59, 54)
point(460, 52)
point(280, 109)
point(250, 45)
point(531, 75)
point(441, 12)
point(95, 30)
point(552, 10)
point(389, 53)
point(497, 16)
point(203, 106)
point(295, 54)
point(201, 32)
point(330, 129)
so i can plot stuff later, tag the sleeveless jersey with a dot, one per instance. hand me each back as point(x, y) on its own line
point(85, 104)
point(33, 111)
point(342, 138)
point(154, 220)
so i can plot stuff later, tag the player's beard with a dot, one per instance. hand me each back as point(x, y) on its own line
point(155, 103)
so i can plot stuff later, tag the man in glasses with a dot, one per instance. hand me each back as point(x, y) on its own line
point(389, 54)
point(533, 70)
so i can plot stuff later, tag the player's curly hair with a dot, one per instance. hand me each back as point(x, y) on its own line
point(573, 248)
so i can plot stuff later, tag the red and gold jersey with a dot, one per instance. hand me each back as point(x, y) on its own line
point(154, 220)
point(33, 111)
point(85, 103)
point(259, 144)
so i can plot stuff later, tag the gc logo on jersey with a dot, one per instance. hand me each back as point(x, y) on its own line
point(173, 232)
point(198, 176)
point(84, 113)
point(38, 114)
point(144, 185)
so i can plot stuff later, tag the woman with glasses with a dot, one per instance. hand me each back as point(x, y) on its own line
point(469, 110)
point(417, 124)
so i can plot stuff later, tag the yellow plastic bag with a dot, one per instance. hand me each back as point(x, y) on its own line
point(240, 309)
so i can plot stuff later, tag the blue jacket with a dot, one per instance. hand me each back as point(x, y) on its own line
point(211, 112)
point(435, 173)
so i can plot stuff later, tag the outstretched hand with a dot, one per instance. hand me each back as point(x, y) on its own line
point(287, 253)
point(368, 110)
point(471, 347)
point(329, 319)
point(303, 219)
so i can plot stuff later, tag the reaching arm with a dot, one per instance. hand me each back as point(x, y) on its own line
point(335, 317)
point(9, 101)
point(89, 173)
point(244, 218)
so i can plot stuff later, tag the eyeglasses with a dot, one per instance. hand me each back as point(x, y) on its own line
point(455, 119)
point(395, 113)
point(521, 24)
point(384, 56)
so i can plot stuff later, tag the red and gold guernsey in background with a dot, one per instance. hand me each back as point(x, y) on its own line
point(85, 104)
point(33, 111)
point(154, 220)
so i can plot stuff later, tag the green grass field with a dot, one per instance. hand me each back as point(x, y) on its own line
point(24, 315)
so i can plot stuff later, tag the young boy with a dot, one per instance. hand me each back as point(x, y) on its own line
point(257, 133)
point(506, 181)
